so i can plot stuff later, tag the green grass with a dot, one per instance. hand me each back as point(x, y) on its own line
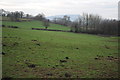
point(35, 24)
point(4, 18)
point(82, 49)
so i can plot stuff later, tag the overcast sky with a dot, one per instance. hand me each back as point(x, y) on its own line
point(105, 8)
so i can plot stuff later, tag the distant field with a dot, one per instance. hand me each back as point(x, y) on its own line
point(4, 18)
point(48, 54)
point(35, 24)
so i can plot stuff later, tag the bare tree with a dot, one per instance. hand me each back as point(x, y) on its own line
point(46, 23)
point(21, 14)
point(40, 17)
point(90, 23)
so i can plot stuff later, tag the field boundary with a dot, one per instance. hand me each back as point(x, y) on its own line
point(49, 29)
point(73, 32)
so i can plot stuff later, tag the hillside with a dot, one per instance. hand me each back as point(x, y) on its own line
point(35, 24)
point(48, 54)
point(4, 18)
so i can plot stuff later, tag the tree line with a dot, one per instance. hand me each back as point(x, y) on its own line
point(14, 16)
point(94, 24)
point(17, 15)
point(62, 21)
point(88, 23)
point(20, 16)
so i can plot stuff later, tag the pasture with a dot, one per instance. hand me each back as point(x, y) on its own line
point(35, 24)
point(48, 54)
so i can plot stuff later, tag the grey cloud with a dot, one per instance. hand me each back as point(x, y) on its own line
point(55, 7)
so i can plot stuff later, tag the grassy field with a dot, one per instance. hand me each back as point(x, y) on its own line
point(47, 54)
point(35, 24)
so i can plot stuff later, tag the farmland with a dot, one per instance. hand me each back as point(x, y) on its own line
point(48, 54)
point(35, 24)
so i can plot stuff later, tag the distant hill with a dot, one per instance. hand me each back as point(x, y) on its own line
point(73, 17)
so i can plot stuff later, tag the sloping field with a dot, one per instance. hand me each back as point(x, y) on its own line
point(47, 54)
point(35, 24)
